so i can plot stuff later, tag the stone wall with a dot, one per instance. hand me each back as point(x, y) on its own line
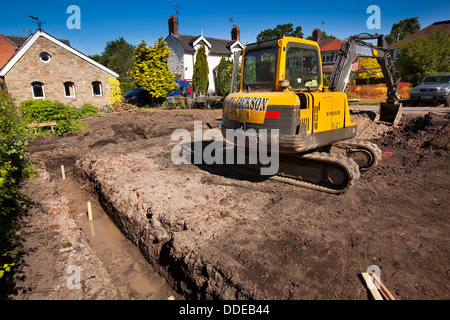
point(63, 66)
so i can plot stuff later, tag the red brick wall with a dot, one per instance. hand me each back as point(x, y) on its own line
point(7, 49)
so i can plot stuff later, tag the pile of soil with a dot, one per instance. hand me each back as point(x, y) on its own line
point(429, 132)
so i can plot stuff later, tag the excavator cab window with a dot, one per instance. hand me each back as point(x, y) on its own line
point(302, 68)
point(260, 68)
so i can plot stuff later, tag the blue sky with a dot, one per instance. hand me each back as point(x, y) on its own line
point(103, 21)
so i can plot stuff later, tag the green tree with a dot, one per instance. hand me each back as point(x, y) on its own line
point(150, 69)
point(279, 31)
point(200, 79)
point(224, 74)
point(117, 56)
point(402, 29)
point(423, 56)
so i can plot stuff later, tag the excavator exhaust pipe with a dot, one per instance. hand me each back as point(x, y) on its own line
point(389, 113)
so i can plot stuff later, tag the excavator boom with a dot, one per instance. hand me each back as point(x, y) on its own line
point(355, 47)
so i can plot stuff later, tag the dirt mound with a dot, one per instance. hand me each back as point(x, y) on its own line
point(426, 133)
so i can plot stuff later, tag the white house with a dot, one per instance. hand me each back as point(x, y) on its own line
point(183, 50)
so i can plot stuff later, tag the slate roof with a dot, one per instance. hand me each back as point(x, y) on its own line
point(218, 46)
point(20, 40)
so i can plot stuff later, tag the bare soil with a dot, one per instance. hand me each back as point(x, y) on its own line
point(213, 233)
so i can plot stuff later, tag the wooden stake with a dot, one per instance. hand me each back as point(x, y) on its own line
point(89, 211)
point(371, 286)
point(384, 291)
point(63, 172)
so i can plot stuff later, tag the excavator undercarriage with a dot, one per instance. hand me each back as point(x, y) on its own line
point(333, 169)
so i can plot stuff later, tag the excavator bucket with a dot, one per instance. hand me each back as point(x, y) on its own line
point(389, 113)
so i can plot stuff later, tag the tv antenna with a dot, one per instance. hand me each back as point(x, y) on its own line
point(38, 22)
point(177, 9)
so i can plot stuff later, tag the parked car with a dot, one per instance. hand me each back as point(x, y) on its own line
point(137, 96)
point(432, 89)
point(184, 89)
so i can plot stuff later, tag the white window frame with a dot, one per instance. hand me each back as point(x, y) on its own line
point(73, 88)
point(48, 55)
point(43, 90)
point(101, 89)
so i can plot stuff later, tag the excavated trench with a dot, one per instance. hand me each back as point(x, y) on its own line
point(131, 274)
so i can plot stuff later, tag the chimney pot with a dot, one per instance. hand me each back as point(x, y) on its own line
point(317, 35)
point(173, 25)
point(236, 33)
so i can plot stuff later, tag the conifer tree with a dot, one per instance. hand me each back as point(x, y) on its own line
point(224, 74)
point(200, 79)
point(150, 69)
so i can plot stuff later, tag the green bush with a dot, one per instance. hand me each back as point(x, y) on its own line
point(38, 111)
point(14, 163)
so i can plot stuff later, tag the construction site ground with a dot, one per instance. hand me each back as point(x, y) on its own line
point(209, 232)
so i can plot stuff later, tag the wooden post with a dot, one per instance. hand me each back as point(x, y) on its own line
point(63, 172)
point(89, 211)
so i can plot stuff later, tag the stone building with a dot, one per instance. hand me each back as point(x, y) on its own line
point(183, 49)
point(43, 67)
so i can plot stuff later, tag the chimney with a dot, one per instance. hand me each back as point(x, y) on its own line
point(236, 33)
point(317, 35)
point(173, 25)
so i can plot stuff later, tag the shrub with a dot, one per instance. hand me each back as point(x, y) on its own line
point(14, 163)
point(38, 111)
point(116, 92)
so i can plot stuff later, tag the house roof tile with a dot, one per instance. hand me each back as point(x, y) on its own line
point(334, 45)
point(218, 46)
point(20, 40)
point(441, 25)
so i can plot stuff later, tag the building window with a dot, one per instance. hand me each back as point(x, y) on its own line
point(45, 57)
point(38, 90)
point(329, 57)
point(97, 88)
point(69, 89)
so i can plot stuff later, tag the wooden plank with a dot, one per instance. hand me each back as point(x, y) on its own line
point(371, 286)
point(384, 291)
point(43, 124)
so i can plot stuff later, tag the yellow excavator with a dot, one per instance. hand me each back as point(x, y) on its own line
point(281, 87)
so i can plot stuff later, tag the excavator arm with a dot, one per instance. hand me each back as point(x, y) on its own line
point(355, 47)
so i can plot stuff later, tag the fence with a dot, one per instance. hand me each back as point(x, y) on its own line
point(376, 91)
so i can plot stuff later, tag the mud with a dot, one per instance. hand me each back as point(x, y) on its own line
point(214, 233)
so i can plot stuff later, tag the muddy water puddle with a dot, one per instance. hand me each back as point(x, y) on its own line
point(132, 275)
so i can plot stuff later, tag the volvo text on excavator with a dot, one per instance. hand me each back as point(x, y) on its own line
point(281, 87)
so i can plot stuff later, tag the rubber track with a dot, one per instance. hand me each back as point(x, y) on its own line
point(348, 164)
point(363, 144)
